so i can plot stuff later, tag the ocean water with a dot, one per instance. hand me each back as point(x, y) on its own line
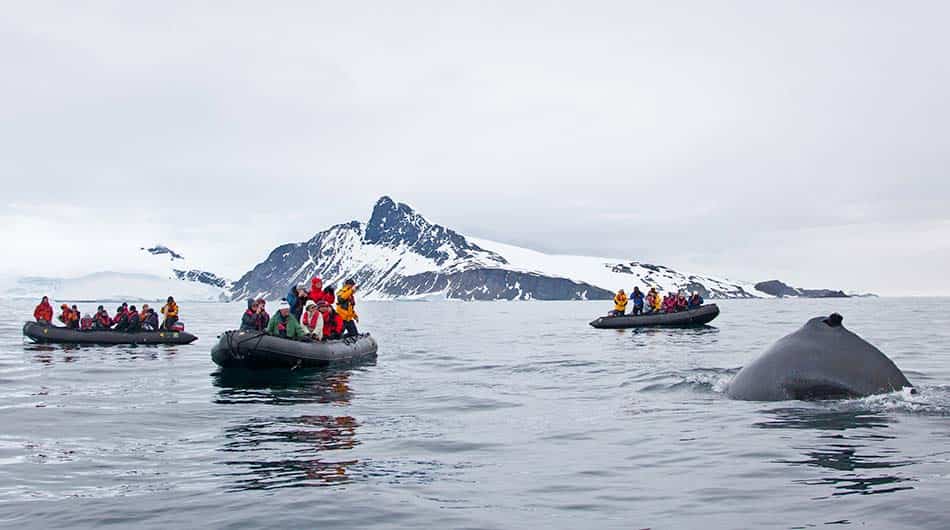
point(477, 415)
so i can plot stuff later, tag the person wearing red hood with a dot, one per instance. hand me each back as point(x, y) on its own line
point(43, 312)
point(317, 293)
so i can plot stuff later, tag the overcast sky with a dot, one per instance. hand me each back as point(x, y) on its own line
point(806, 141)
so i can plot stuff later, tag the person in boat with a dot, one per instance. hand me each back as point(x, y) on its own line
point(149, 318)
point(68, 317)
point(43, 312)
point(170, 310)
point(332, 323)
point(312, 319)
point(682, 304)
point(318, 293)
point(620, 304)
point(135, 321)
point(251, 320)
point(649, 303)
point(669, 303)
point(637, 297)
point(695, 300)
point(264, 315)
point(121, 319)
point(297, 297)
point(102, 320)
point(284, 324)
point(346, 307)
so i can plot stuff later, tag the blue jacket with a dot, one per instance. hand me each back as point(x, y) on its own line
point(637, 299)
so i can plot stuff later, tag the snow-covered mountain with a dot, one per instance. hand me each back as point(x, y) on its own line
point(400, 254)
point(143, 274)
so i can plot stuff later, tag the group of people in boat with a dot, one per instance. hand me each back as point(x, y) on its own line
point(307, 313)
point(127, 317)
point(652, 302)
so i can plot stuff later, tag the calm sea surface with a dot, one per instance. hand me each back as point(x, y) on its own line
point(477, 415)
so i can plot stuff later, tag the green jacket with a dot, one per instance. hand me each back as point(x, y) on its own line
point(294, 329)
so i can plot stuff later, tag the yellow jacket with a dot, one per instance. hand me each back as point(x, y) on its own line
point(346, 303)
point(657, 302)
point(620, 302)
point(170, 310)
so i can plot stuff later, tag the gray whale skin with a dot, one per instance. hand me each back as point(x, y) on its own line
point(822, 360)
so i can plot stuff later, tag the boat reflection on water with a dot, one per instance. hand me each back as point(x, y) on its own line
point(851, 443)
point(287, 450)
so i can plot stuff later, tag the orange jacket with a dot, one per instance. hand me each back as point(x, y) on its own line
point(43, 311)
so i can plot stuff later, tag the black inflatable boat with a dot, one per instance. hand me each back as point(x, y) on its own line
point(694, 317)
point(45, 333)
point(256, 350)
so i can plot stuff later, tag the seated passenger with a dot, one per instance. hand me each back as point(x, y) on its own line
point(681, 303)
point(285, 325)
point(68, 317)
point(312, 320)
point(265, 316)
point(251, 320)
point(170, 310)
point(695, 300)
point(121, 319)
point(649, 302)
point(637, 297)
point(332, 323)
point(669, 303)
point(149, 319)
point(43, 312)
point(101, 320)
point(135, 320)
point(620, 304)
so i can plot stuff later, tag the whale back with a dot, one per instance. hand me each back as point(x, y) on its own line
point(822, 360)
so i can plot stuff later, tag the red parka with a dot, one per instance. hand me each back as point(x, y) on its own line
point(317, 294)
point(43, 311)
point(332, 324)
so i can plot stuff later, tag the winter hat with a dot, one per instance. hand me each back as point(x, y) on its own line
point(310, 303)
point(349, 281)
point(283, 305)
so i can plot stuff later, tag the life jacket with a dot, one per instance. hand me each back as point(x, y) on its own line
point(346, 303)
point(170, 310)
point(332, 324)
point(103, 319)
point(620, 302)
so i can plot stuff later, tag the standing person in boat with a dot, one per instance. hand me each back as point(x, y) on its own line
point(170, 310)
point(43, 312)
point(312, 320)
point(346, 307)
point(637, 297)
point(102, 320)
point(332, 323)
point(695, 300)
point(296, 298)
point(620, 304)
point(149, 318)
point(318, 293)
point(135, 321)
point(283, 324)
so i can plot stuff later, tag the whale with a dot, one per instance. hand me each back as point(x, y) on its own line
point(822, 360)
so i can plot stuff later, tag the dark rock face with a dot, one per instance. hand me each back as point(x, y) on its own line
point(195, 275)
point(401, 254)
point(162, 249)
point(781, 290)
point(497, 284)
point(395, 225)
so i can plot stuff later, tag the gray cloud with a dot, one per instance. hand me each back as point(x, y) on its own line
point(747, 139)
